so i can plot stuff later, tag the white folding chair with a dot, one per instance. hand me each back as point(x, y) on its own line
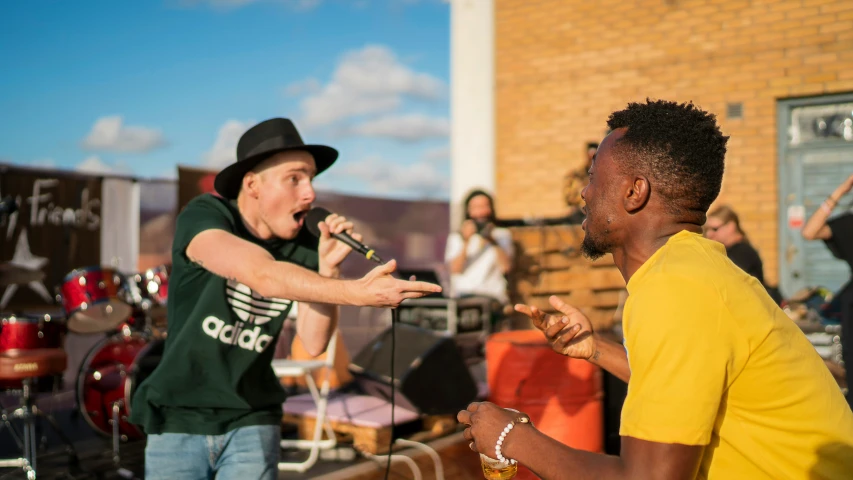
point(305, 369)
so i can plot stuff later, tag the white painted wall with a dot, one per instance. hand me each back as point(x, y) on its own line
point(472, 100)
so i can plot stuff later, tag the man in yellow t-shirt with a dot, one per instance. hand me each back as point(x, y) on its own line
point(721, 383)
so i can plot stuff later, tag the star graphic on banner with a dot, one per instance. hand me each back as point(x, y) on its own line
point(26, 265)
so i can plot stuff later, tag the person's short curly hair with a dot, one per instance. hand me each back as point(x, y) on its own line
point(678, 146)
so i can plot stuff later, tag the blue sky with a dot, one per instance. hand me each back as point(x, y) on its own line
point(141, 87)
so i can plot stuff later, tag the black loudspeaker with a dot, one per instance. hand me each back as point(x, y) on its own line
point(430, 375)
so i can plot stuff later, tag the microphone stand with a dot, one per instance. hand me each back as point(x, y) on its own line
point(394, 319)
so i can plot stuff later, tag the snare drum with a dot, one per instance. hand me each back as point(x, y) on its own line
point(91, 299)
point(109, 376)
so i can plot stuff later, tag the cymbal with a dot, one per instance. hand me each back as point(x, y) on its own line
point(101, 317)
point(14, 275)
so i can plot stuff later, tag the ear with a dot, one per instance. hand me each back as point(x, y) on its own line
point(252, 184)
point(638, 194)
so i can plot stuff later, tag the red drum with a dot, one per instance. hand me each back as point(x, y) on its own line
point(30, 332)
point(109, 376)
point(23, 333)
point(91, 298)
point(154, 284)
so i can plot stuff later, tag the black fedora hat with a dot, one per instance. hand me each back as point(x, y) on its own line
point(259, 143)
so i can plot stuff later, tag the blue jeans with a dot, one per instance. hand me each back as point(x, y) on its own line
point(241, 454)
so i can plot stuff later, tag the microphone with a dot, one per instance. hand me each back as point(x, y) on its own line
point(319, 214)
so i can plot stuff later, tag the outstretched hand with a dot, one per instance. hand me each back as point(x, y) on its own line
point(569, 334)
point(381, 289)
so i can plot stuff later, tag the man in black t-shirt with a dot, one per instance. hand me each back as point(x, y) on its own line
point(212, 407)
point(723, 225)
point(837, 234)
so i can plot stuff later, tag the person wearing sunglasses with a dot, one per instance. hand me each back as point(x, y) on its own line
point(723, 225)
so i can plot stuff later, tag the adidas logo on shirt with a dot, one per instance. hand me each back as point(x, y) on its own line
point(252, 310)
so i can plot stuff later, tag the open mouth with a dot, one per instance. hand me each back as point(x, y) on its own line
point(300, 216)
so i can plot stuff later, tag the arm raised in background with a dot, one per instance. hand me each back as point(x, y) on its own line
point(816, 227)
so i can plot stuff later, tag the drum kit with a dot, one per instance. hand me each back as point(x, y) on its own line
point(129, 309)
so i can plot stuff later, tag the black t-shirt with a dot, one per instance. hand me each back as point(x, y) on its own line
point(216, 374)
point(744, 256)
point(841, 245)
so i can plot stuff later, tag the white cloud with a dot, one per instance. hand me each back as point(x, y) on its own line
point(367, 81)
point(110, 134)
point(170, 173)
point(406, 128)
point(45, 163)
point(437, 154)
point(95, 166)
point(303, 87)
point(224, 149)
point(374, 174)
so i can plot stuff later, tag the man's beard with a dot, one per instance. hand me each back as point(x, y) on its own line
point(592, 249)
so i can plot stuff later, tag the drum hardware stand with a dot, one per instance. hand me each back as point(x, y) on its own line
point(117, 437)
point(28, 412)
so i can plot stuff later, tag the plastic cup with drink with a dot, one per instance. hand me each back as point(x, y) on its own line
point(497, 470)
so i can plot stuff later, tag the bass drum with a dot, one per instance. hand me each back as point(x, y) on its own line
point(109, 376)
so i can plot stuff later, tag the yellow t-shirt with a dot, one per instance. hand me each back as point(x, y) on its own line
point(715, 362)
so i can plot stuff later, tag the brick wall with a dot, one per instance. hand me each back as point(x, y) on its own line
point(563, 65)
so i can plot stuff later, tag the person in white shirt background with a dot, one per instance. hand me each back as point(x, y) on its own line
point(479, 255)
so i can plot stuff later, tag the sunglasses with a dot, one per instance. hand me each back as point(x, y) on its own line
point(714, 229)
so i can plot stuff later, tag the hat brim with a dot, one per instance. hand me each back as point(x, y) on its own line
point(229, 181)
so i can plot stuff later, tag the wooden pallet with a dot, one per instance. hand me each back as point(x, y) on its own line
point(372, 439)
point(458, 462)
point(548, 262)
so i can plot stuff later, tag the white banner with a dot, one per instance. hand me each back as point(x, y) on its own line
point(120, 224)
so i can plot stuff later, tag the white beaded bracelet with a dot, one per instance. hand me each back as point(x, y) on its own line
point(501, 441)
point(502, 437)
